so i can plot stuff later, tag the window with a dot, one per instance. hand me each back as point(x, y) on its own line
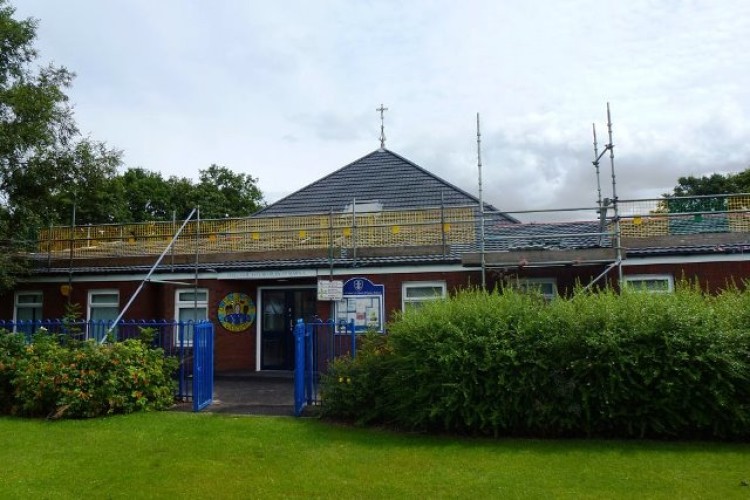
point(191, 306)
point(413, 295)
point(546, 286)
point(104, 307)
point(28, 307)
point(651, 283)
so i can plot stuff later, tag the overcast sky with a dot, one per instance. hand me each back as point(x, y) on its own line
point(287, 91)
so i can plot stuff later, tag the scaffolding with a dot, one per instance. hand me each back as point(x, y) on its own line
point(476, 236)
point(429, 227)
point(605, 239)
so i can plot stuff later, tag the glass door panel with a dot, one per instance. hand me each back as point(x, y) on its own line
point(281, 309)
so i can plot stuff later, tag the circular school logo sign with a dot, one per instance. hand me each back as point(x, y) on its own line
point(236, 312)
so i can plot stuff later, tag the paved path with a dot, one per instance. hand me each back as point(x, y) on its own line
point(262, 393)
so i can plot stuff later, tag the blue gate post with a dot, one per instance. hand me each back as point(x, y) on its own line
point(180, 329)
point(299, 368)
point(311, 365)
point(203, 365)
point(354, 338)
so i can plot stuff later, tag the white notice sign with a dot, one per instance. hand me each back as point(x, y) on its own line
point(330, 290)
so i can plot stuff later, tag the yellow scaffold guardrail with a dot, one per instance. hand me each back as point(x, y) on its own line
point(436, 226)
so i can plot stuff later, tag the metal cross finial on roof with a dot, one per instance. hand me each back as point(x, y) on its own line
point(382, 125)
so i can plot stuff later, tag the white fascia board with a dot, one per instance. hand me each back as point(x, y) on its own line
point(254, 275)
point(313, 273)
point(92, 278)
point(684, 259)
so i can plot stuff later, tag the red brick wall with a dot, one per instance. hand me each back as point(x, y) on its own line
point(392, 282)
point(234, 350)
point(566, 277)
point(713, 276)
point(147, 306)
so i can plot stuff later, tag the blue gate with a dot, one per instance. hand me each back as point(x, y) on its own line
point(203, 365)
point(316, 345)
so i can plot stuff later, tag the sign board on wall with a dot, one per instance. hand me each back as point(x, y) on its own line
point(270, 274)
point(362, 302)
point(330, 290)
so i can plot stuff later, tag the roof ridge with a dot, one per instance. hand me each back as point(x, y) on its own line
point(362, 177)
point(318, 181)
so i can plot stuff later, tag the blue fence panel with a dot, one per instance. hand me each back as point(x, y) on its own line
point(174, 337)
point(316, 346)
point(203, 365)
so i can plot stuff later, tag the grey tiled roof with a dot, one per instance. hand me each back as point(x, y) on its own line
point(500, 236)
point(733, 248)
point(503, 237)
point(382, 176)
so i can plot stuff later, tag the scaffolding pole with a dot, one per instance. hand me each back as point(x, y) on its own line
point(481, 208)
point(596, 166)
point(150, 272)
point(197, 260)
point(618, 233)
point(354, 231)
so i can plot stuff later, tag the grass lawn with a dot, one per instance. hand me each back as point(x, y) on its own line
point(212, 456)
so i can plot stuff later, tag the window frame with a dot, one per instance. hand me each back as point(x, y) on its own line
point(189, 304)
point(628, 280)
point(90, 302)
point(406, 285)
point(522, 285)
point(91, 329)
point(30, 305)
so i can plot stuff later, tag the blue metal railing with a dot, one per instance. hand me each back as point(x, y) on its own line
point(174, 337)
point(316, 346)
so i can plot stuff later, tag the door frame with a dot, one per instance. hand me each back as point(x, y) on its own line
point(259, 317)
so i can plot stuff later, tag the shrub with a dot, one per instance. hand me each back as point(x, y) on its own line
point(12, 347)
point(84, 379)
point(596, 364)
point(352, 387)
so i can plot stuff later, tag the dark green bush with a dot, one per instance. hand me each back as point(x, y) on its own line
point(83, 379)
point(627, 365)
point(12, 348)
point(352, 386)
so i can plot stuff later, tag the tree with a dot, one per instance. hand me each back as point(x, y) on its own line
point(82, 176)
point(220, 193)
point(45, 166)
point(148, 195)
point(713, 184)
point(223, 193)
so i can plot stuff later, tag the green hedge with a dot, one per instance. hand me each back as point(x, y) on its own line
point(598, 364)
point(82, 379)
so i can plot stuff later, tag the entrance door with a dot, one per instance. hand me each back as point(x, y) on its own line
point(281, 309)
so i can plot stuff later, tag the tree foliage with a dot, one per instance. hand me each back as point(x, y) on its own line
point(219, 193)
point(47, 168)
point(713, 184)
point(44, 161)
point(223, 193)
